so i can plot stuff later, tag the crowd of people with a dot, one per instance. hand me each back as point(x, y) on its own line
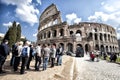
point(24, 53)
point(97, 54)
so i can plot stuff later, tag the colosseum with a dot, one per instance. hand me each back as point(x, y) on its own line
point(90, 36)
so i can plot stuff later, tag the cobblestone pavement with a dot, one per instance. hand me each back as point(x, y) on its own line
point(102, 70)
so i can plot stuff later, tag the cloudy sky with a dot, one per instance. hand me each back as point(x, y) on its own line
point(27, 13)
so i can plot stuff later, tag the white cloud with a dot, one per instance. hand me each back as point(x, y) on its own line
point(109, 14)
point(25, 10)
point(77, 20)
point(111, 5)
point(39, 2)
point(72, 18)
point(7, 24)
point(35, 35)
point(118, 35)
point(118, 29)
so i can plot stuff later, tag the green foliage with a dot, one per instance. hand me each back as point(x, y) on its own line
point(18, 33)
point(13, 34)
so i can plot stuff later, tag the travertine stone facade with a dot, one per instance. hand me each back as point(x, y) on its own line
point(90, 36)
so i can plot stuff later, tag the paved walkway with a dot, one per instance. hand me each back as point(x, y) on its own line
point(72, 69)
point(102, 70)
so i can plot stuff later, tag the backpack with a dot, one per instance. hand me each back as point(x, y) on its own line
point(24, 52)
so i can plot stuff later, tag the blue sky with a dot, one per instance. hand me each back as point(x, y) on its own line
point(27, 13)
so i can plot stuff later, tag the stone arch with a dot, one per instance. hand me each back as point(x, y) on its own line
point(54, 33)
point(79, 45)
point(110, 49)
point(40, 36)
point(108, 37)
point(102, 48)
point(71, 32)
point(70, 47)
point(96, 36)
point(61, 32)
point(87, 48)
point(49, 33)
point(44, 35)
point(106, 48)
point(95, 29)
point(96, 47)
point(90, 36)
point(105, 37)
point(113, 49)
point(101, 36)
point(79, 32)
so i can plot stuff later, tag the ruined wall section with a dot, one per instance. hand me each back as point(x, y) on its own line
point(49, 17)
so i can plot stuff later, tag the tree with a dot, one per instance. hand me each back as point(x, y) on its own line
point(13, 34)
point(18, 37)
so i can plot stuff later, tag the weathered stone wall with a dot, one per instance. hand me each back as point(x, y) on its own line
point(90, 36)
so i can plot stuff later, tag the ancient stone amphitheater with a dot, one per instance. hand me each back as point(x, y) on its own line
point(90, 36)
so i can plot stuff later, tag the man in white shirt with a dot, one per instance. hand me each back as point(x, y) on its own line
point(38, 57)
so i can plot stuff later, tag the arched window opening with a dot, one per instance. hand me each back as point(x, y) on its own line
point(44, 35)
point(49, 34)
point(109, 37)
point(90, 36)
point(105, 37)
point(96, 36)
point(78, 33)
point(61, 32)
point(87, 48)
point(54, 33)
point(101, 36)
point(70, 47)
point(96, 47)
point(71, 33)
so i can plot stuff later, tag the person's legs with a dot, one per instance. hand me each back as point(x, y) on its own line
point(52, 62)
point(45, 63)
point(24, 61)
point(28, 63)
point(36, 61)
point(12, 60)
point(60, 60)
point(39, 62)
point(2, 61)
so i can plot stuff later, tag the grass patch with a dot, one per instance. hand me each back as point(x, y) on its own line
point(108, 59)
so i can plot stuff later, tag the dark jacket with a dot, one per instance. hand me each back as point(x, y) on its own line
point(4, 50)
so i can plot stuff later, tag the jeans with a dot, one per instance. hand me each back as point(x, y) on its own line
point(45, 63)
point(59, 60)
point(37, 62)
point(52, 62)
point(16, 63)
point(24, 62)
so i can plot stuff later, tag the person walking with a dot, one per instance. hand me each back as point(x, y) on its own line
point(38, 57)
point(4, 51)
point(24, 55)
